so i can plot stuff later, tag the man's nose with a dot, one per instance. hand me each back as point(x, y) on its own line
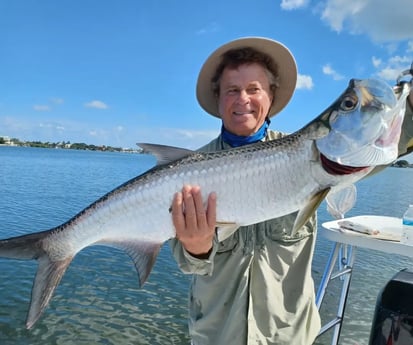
point(243, 96)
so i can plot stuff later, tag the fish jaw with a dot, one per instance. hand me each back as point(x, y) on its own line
point(369, 132)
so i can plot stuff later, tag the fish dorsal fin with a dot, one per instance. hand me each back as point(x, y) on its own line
point(165, 154)
point(143, 255)
point(305, 213)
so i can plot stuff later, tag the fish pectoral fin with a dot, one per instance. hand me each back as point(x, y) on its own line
point(143, 255)
point(165, 154)
point(225, 230)
point(48, 276)
point(305, 213)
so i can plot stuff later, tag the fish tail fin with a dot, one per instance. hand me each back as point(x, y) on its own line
point(49, 271)
point(48, 276)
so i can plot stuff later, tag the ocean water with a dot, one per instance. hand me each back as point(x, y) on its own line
point(98, 300)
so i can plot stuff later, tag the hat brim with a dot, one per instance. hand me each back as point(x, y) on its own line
point(287, 73)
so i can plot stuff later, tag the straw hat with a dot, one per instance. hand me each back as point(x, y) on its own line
point(287, 72)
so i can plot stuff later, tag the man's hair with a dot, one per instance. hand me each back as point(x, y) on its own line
point(234, 58)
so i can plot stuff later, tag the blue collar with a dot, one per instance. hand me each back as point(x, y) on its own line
point(239, 140)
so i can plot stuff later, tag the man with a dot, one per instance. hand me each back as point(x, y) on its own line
point(255, 285)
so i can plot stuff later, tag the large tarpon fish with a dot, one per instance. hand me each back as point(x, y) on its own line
point(253, 183)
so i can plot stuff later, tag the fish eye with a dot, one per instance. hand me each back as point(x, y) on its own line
point(348, 103)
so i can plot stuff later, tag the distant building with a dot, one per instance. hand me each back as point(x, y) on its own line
point(5, 140)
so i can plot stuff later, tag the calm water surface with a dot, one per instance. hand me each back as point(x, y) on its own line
point(98, 301)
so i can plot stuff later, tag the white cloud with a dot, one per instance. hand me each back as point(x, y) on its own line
point(410, 46)
point(389, 73)
point(57, 100)
point(400, 60)
point(391, 69)
point(293, 4)
point(336, 12)
point(52, 126)
point(180, 137)
point(381, 20)
point(376, 61)
point(13, 125)
point(210, 28)
point(46, 107)
point(41, 107)
point(54, 131)
point(304, 82)
point(190, 134)
point(328, 70)
point(96, 104)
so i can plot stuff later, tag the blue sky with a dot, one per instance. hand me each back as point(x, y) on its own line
point(120, 72)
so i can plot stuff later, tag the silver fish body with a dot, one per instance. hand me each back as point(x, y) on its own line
point(253, 183)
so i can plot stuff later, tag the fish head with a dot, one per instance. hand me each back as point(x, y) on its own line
point(365, 124)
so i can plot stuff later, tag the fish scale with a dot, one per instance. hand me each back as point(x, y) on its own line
point(253, 183)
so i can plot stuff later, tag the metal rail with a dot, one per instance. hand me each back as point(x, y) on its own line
point(345, 255)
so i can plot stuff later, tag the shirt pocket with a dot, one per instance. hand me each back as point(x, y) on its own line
point(228, 244)
point(279, 229)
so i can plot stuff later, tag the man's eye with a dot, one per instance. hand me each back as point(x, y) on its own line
point(253, 90)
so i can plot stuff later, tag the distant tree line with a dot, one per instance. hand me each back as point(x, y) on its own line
point(82, 146)
point(59, 145)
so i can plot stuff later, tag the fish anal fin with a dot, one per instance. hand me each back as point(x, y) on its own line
point(305, 213)
point(165, 154)
point(48, 276)
point(143, 255)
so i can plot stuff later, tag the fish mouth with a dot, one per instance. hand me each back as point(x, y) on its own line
point(334, 168)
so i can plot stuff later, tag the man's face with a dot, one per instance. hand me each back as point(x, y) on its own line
point(244, 99)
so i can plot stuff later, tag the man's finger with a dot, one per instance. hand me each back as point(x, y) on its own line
point(177, 213)
point(189, 208)
point(212, 210)
point(199, 208)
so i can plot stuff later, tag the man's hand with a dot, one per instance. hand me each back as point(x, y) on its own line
point(194, 225)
